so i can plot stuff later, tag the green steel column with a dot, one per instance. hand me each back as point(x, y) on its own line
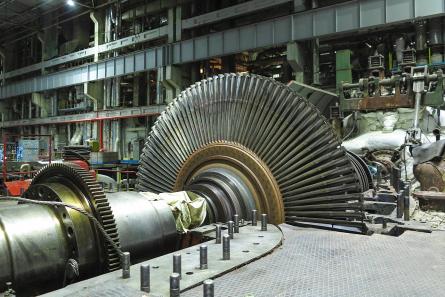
point(316, 61)
point(343, 66)
point(42, 104)
point(3, 65)
point(174, 28)
point(299, 5)
point(94, 90)
point(171, 79)
point(295, 58)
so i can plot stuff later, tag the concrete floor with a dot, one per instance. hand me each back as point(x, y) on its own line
point(315, 262)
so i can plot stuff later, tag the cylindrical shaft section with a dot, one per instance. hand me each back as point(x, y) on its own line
point(125, 259)
point(400, 203)
point(406, 214)
point(263, 222)
point(175, 284)
point(203, 257)
point(145, 278)
point(218, 233)
point(208, 288)
point(418, 98)
point(146, 227)
point(177, 263)
point(236, 223)
point(226, 247)
point(254, 217)
point(27, 230)
point(230, 229)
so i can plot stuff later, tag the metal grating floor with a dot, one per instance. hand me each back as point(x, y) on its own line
point(315, 262)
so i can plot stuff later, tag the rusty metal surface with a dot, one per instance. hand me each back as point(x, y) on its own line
point(370, 95)
point(429, 200)
point(385, 158)
point(372, 98)
point(380, 102)
point(431, 176)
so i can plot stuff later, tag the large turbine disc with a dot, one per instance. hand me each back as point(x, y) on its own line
point(252, 133)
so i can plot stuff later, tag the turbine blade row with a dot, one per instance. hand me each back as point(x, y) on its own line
point(319, 181)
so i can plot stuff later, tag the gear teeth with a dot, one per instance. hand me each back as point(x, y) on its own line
point(99, 202)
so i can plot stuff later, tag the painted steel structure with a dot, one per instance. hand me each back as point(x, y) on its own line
point(89, 52)
point(124, 113)
point(347, 17)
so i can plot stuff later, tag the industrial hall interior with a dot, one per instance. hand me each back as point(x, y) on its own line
point(222, 148)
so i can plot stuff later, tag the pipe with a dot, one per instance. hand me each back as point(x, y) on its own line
point(4, 168)
point(77, 135)
point(421, 44)
point(117, 140)
point(92, 99)
point(436, 133)
point(417, 109)
point(74, 109)
point(92, 119)
point(399, 48)
point(50, 149)
point(420, 36)
point(116, 92)
point(436, 31)
point(101, 135)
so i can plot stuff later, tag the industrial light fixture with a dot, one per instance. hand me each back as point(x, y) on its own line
point(73, 3)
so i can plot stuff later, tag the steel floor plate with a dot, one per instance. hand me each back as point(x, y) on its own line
point(315, 262)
